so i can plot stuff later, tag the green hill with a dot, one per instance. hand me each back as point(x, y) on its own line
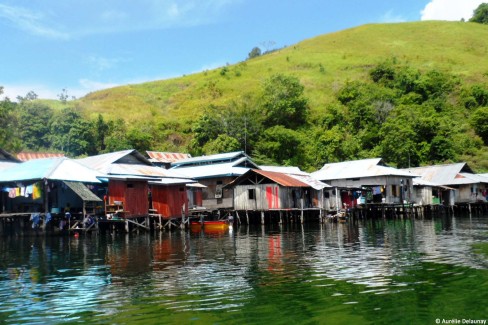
point(322, 64)
point(411, 93)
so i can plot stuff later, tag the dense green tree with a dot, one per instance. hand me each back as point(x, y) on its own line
point(101, 132)
point(239, 120)
point(283, 102)
point(82, 138)
point(223, 143)
point(116, 139)
point(255, 52)
point(9, 139)
point(475, 96)
point(479, 120)
point(71, 133)
point(139, 138)
point(480, 14)
point(34, 124)
point(280, 146)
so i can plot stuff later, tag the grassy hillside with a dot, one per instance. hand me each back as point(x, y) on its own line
point(323, 64)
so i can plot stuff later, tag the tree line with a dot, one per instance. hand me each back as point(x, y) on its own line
point(406, 116)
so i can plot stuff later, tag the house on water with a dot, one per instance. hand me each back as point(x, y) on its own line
point(468, 186)
point(138, 188)
point(262, 190)
point(367, 181)
point(215, 172)
point(49, 188)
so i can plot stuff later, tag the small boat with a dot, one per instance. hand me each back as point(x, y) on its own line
point(210, 225)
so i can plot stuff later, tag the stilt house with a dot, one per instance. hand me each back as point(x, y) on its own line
point(215, 172)
point(468, 186)
point(136, 186)
point(260, 190)
point(367, 181)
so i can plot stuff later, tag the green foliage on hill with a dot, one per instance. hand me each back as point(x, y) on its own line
point(412, 93)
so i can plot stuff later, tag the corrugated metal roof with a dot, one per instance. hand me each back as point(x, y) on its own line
point(312, 182)
point(5, 164)
point(82, 191)
point(63, 169)
point(218, 158)
point(284, 169)
point(25, 156)
point(172, 181)
point(448, 174)
point(141, 170)
point(283, 179)
point(104, 161)
point(167, 157)
point(358, 169)
point(232, 168)
point(208, 171)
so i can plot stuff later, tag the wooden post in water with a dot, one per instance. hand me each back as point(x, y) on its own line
point(262, 217)
point(247, 217)
point(281, 220)
point(238, 218)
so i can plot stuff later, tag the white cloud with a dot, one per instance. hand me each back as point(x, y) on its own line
point(449, 9)
point(390, 17)
point(87, 86)
point(100, 63)
point(31, 21)
point(58, 20)
point(42, 91)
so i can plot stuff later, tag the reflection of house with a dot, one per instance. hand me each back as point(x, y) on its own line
point(131, 177)
point(261, 190)
point(367, 180)
point(215, 172)
point(469, 187)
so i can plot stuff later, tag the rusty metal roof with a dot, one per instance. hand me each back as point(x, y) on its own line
point(286, 180)
point(167, 157)
point(25, 156)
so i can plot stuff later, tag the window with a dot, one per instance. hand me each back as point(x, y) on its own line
point(251, 194)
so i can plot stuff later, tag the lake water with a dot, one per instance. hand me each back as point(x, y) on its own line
point(362, 272)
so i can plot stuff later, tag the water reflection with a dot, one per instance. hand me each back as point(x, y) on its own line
point(246, 275)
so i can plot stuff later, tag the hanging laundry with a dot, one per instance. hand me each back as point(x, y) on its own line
point(28, 190)
point(36, 191)
point(36, 219)
point(48, 218)
point(17, 191)
point(12, 193)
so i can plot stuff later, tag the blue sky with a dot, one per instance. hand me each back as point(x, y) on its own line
point(86, 45)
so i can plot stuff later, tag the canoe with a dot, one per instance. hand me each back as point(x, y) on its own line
point(210, 225)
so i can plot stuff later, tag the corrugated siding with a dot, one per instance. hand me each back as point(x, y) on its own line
point(116, 191)
point(169, 200)
point(133, 194)
point(137, 202)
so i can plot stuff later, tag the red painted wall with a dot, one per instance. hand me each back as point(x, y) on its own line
point(133, 194)
point(168, 200)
